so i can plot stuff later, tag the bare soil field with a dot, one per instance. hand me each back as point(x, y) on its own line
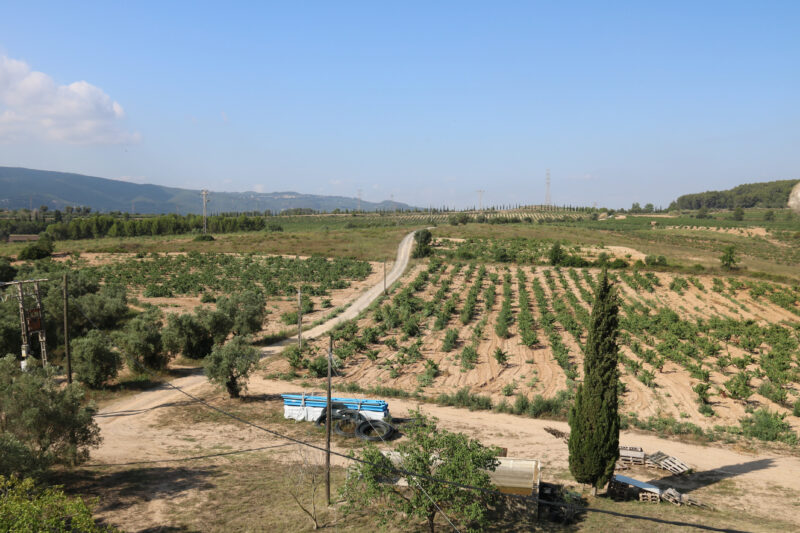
point(534, 370)
point(752, 484)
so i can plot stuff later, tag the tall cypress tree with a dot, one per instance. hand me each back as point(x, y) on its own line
point(593, 418)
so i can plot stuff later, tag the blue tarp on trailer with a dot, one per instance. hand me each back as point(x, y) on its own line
point(360, 404)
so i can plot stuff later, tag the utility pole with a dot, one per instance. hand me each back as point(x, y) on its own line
point(547, 200)
point(328, 416)
point(204, 192)
point(299, 319)
point(384, 277)
point(480, 199)
point(359, 200)
point(66, 331)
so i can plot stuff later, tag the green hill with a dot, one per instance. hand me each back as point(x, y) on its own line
point(23, 187)
point(772, 194)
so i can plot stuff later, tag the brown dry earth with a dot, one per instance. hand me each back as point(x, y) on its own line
point(535, 371)
point(766, 483)
point(133, 428)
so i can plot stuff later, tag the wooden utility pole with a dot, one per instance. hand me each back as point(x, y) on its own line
point(300, 318)
point(328, 416)
point(66, 331)
point(204, 192)
point(23, 320)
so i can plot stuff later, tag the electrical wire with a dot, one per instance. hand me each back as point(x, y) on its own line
point(406, 473)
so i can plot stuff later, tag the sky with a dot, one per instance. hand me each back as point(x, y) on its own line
point(422, 102)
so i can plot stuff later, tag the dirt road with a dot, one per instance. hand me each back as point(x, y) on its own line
point(131, 407)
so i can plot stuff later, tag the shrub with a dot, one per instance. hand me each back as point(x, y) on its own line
point(216, 323)
point(450, 340)
point(7, 272)
point(208, 298)
point(739, 386)
point(38, 250)
point(465, 398)
point(469, 356)
point(230, 365)
point(319, 366)
point(43, 422)
point(289, 318)
point(186, 334)
point(24, 507)
point(766, 425)
point(501, 357)
point(141, 342)
point(105, 308)
point(93, 360)
point(423, 240)
point(246, 311)
point(154, 290)
point(204, 237)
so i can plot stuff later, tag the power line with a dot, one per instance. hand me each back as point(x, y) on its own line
point(407, 473)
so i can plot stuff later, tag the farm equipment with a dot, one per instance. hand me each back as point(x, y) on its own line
point(350, 417)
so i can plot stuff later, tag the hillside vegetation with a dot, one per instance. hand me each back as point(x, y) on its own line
point(772, 194)
point(23, 187)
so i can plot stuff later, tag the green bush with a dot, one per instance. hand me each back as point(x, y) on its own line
point(43, 422)
point(319, 366)
point(24, 507)
point(186, 334)
point(469, 356)
point(216, 323)
point(105, 308)
point(203, 237)
point(450, 340)
point(230, 365)
point(93, 359)
point(289, 318)
point(7, 272)
point(141, 342)
point(208, 298)
point(465, 398)
point(37, 250)
point(766, 425)
point(246, 310)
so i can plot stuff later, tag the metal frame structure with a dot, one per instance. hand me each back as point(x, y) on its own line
point(31, 317)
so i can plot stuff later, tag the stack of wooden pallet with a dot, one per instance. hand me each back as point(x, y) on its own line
point(666, 462)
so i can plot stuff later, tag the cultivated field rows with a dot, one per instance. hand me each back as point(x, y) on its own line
point(704, 350)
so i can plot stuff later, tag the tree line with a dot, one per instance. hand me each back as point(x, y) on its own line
point(772, 194)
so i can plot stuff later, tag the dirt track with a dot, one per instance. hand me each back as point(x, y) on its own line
point(129, 408)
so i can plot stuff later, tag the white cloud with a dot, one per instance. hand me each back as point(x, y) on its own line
point(34, 106)
point(258, 188)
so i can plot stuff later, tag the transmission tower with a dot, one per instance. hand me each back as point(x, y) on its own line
point(547, 200)
point(480, 199)
point(204, 192)
point(31, 315)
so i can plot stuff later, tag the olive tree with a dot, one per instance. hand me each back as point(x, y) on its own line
point(431, 452)
point(42, 423)
point(93, 359)
point(141, 342)
point(246, 311)
point(230, 365)
point(186, 334)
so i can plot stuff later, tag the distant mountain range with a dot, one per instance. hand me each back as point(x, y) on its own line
point(24, 187)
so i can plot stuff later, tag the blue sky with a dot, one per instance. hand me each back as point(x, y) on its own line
point(423, 101)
